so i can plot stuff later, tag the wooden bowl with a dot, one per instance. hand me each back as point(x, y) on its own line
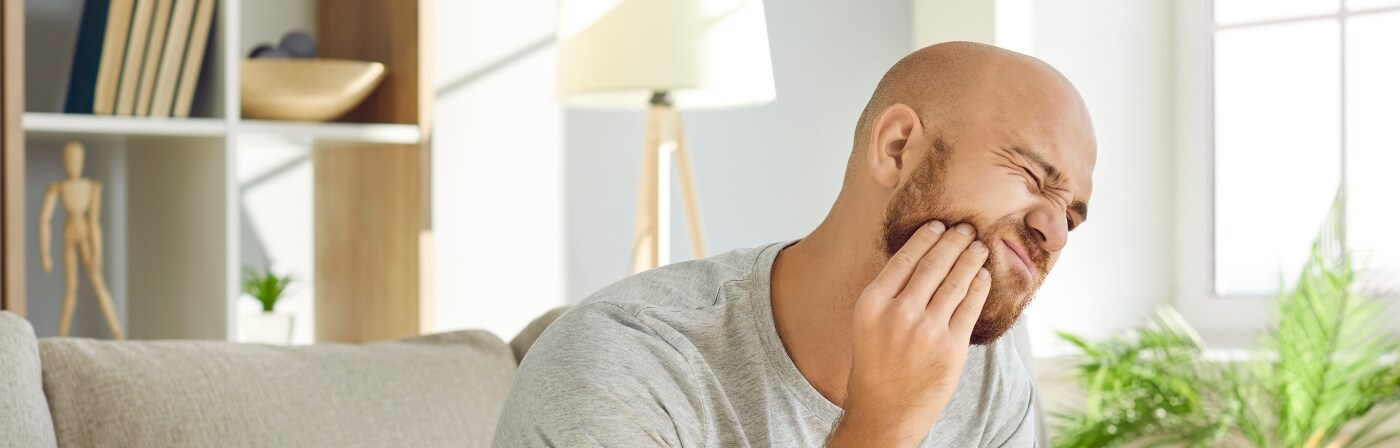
point(305, 89)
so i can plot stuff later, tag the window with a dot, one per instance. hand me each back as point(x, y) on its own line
point(1305, 98)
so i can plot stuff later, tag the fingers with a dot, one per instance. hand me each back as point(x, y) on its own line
point(897, 271)
point(970, 308)
point(955, 286)
point(934, 266)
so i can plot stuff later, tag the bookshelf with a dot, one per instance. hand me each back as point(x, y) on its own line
point(40, 123)
point(178, 212)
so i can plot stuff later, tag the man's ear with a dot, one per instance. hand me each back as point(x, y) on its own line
point(889, 148)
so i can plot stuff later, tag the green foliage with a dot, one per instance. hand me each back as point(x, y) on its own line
point(1322, 365)
point(265, 286)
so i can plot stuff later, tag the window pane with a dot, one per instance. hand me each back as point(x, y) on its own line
point(1373, 149)
point(1277, 149)
point(1239, 11)
point(1362, 5)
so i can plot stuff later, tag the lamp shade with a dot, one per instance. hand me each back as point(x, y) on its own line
point(705, 53)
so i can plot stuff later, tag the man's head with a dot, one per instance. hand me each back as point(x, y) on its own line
point(964, 132)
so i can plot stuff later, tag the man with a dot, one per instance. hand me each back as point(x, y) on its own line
point(882, 327)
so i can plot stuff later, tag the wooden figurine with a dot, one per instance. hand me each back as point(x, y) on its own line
point(82, 237)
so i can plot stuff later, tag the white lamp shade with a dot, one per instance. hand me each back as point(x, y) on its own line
point(706, 53)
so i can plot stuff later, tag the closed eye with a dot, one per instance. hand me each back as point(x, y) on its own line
point(1034, 177)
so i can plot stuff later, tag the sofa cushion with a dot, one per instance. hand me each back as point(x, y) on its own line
point(24, 414)
point(438, 390)
point(522, 341)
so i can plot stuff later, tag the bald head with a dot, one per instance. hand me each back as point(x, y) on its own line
point(969, 133)
point(940, 80)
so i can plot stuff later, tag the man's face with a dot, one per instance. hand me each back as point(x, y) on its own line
point(1022, 198)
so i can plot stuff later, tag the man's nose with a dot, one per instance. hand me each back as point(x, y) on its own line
point(1050, 227)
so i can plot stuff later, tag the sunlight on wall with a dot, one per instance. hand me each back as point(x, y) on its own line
point(274, 175)
point(498, 211)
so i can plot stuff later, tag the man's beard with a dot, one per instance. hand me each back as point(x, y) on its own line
point(923, 199)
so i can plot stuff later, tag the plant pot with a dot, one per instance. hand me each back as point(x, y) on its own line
point(267, 328)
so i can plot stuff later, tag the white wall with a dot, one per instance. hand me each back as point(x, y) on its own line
point(764, 174)
point(1119, 266)
point(498, 153)
point(533, 205)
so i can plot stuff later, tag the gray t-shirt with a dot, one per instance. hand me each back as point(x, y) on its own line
point(687, 355)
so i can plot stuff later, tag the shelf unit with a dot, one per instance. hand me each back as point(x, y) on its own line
point(178, 248)
point(43, 123)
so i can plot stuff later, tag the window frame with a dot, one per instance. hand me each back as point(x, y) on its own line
point(1227, 317)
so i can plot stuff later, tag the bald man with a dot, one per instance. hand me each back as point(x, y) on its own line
point(883, 327)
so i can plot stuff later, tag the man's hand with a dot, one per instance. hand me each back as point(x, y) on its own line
point(910, 337)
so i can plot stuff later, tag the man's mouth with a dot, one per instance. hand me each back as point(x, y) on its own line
point(1019, 253)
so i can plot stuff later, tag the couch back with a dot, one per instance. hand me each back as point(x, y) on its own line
point(438, 390)
point(24, 414)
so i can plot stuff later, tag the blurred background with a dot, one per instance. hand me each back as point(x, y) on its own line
point(1225, 129)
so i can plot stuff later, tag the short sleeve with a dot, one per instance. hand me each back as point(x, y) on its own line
point(599, 376)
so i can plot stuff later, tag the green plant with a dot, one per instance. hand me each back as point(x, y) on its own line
point(265, 286)
point(1320, 371)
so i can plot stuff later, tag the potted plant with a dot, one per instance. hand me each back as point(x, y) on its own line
point(1323, 375)
point(269, 326)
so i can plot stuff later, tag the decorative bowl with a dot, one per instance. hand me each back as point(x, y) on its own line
point(305, 89)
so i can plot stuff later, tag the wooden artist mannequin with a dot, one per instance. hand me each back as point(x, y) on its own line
point(82, 236)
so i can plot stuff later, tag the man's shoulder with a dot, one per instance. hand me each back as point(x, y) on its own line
point(687, 285)
point(651, 317)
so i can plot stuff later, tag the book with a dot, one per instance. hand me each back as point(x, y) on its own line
point(135, 57)
point(194, 57)
point(160, 23)
point(177, 37)
point(97, 57)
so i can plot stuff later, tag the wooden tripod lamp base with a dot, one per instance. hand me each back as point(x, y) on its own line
point(651, 241)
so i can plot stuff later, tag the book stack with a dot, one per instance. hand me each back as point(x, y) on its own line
point(139, 57)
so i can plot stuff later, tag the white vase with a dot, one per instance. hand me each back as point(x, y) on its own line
point(267, 328)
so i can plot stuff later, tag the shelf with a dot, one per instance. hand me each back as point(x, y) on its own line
point(359, 132)
point(54, 123)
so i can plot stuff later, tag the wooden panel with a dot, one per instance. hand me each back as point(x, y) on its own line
point(176, 263)
point(12, 157)
point(372, 223)
point(368, 219)
point(394, 32)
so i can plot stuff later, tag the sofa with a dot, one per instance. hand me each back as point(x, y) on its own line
point(428, 391)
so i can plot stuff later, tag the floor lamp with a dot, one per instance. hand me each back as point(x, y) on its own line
point(665, 56)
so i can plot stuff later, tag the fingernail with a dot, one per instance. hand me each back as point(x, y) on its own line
point(964, 228)
point(937, 227)
point(983, 274)
point(978, 247)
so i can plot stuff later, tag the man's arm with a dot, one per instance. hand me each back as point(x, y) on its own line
point(600, 376)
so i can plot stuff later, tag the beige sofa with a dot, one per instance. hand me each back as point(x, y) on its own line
point(437, 390)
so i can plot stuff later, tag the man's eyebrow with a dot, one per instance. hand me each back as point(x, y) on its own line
point(1082, 209)
point(1051, 173)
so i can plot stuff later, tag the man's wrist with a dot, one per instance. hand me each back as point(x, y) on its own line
point(857, 427)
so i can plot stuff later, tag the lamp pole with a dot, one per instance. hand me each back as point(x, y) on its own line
point(664, 138)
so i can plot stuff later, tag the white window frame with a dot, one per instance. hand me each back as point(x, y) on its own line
point(1234, 317)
